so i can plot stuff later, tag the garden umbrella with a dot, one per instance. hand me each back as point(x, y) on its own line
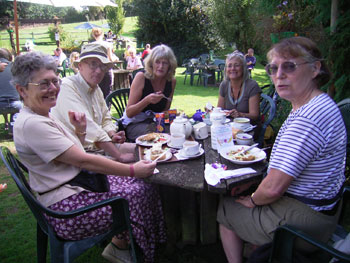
point(58, 3)
point(87, 26)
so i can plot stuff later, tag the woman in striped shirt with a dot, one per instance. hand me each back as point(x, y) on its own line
point(306, 170)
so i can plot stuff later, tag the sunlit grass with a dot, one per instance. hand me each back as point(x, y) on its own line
point(44, 44)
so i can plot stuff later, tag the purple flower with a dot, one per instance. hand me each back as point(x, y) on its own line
point(279, 6)
point(285, 2)
point(218, 165)
point(290, 16)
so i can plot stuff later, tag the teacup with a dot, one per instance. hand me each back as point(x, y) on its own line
point(200, 131)
point(244, 139)
point(241, 123)
point(177, 139)
point(190, 148)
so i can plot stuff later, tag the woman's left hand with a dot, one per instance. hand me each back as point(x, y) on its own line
point(78, 120)
point(245, 200)
point(234, 113)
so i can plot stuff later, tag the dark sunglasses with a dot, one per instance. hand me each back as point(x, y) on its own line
point(287, 67)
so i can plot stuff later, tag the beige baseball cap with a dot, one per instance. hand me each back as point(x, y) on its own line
point(94, 50)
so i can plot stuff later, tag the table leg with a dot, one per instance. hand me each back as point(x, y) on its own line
point(189, 216)
point(169, 196)
point(208, 225)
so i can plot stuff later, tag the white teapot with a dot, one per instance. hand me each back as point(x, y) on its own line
point(181, 125)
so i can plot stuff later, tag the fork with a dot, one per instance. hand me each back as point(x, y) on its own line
point(169, 99)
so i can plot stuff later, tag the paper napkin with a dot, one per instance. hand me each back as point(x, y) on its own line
point(213, 174)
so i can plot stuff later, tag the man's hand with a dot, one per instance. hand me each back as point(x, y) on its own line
point(118, 137)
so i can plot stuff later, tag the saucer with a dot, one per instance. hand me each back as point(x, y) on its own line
point(182, 155)
point(172, 146)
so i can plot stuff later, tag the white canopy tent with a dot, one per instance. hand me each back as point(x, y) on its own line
point(58, 3)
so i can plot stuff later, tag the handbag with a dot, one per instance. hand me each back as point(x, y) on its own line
point(94, 182)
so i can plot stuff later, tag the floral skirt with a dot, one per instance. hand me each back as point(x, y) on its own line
point(145, 213)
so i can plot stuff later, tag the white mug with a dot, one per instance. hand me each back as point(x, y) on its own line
point(190, 148)
point(177, 139)
point(200, 131)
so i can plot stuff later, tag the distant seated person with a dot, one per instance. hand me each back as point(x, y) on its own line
point(126, 53)
point(146, 51)
point(151, 91)
point(73, 57)
point(237, 92)
point(109, 35)
point(134, 61)
point(251, 60)
point(9, 98)
point(59, 56)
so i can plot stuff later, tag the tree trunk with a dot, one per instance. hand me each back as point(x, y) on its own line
point(334, 15)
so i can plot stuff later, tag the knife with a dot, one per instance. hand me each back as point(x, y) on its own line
point(246, 150)
point(160, 156)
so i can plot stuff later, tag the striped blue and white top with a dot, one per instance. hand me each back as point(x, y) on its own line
point(311, 147)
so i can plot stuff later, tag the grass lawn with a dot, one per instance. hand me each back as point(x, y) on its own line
point(44, 44)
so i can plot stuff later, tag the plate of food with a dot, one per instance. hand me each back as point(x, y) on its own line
point(252, 156)
point(153, 138)
point(156, 151)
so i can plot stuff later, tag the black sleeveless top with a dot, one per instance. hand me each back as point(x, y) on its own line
point(148, 89)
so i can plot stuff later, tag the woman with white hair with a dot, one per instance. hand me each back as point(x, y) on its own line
point(134, 62)
point(151, 91)
point(237, 92)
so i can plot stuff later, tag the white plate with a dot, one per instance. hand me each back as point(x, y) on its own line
point(258, 153)
point(175, 147)
point(164, 138)
point(168, 156)
point(201, 151)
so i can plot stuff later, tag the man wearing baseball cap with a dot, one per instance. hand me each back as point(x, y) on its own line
point(81, 93)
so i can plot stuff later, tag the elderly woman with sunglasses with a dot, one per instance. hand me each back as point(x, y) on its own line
point(306, 171)
point(67, 178)
point(237, 93)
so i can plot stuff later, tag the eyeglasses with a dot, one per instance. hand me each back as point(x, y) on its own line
point(234, 65)
point(93, 65)
point(287, 67)
point(47, 83)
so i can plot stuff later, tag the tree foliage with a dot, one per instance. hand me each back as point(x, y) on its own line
point(232, 21)
point(115, 17)
point(184, 25)
point(339, 51)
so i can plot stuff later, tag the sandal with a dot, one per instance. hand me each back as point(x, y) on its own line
point(116, 255)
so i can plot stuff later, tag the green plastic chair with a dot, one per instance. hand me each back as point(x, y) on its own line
point(118, 99)
point(66, 250)
point(283, 246)
point(268, 112)
point(191, 69)
point(344, 107)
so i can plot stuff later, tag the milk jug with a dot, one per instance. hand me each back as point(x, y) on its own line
point(217, 118)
